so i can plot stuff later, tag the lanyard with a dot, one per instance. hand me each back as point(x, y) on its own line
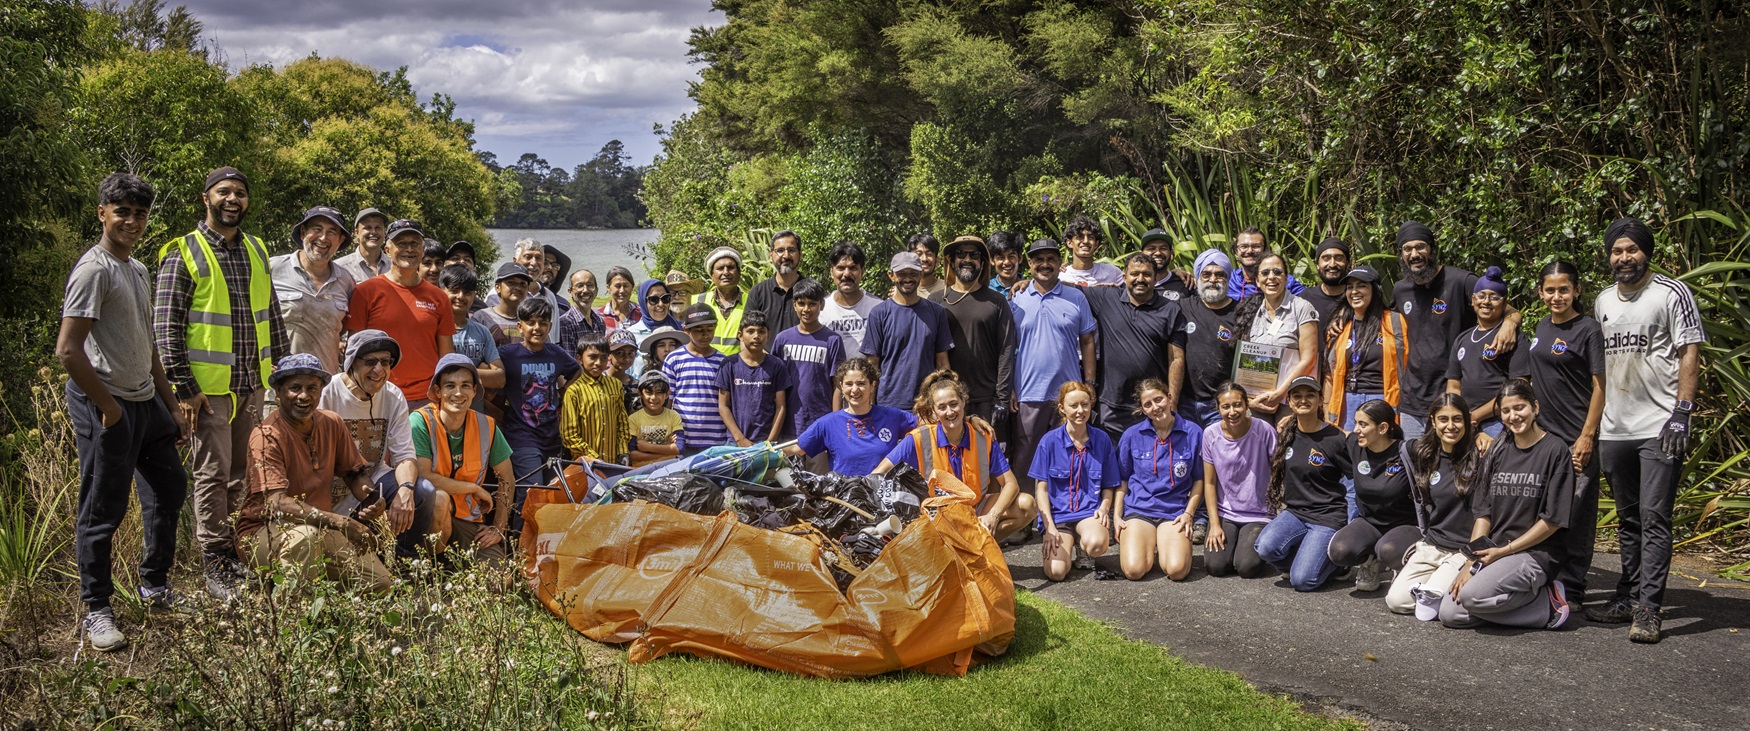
point(1078, 459)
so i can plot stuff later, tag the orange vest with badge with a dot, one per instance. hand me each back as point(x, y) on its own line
point(974, 465)
point(1394, 354)
point(477, 436)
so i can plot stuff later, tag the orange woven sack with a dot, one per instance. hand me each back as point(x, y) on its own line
point(672, 581)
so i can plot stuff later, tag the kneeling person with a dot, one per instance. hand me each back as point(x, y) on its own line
point(294, 457)
point(472, 450)
point(375, 413)
point(943, 440)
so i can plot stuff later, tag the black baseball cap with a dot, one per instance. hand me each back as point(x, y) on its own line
point(1156, 234)
point(1044, 245)
point(698, 315)
point(510, 270)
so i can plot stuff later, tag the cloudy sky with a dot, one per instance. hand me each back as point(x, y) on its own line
point(554, 77)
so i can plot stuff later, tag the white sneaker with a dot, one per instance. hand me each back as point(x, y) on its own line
point(1558, 606)
point(1367, 574)
point(1427, 602)
point(1081, 561)
point(100, 629)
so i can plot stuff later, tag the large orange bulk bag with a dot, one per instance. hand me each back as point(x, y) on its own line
point(672, 581)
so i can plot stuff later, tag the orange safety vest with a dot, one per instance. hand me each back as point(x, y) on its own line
point(477, 436)
point(1394, 348)
point(974, 467)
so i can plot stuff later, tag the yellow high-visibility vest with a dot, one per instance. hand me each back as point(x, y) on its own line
point(209, 317)
point(726, 339)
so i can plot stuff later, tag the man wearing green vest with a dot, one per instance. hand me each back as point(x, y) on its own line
point(726, 296)
point(217, 324)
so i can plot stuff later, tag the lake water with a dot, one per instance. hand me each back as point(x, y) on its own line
point(592, 249)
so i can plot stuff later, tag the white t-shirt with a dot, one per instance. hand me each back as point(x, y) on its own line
point(1281, 328)
point(1102, 273)
point(1641, 339)
point(849, 322)
point(379, 426)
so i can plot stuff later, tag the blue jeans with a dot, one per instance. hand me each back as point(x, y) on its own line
point(1352, 403)
point(1414, 426)
point(1492, 427)
point(1300, 550)
point(1201, 413)
point(407, 542)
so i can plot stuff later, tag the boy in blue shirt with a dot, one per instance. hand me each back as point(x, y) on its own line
point(813, 352)
point(535, 376)
point(751, 386)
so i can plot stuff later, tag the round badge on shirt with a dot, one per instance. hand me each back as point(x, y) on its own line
point(885, 435)
point(1364, 467)
point(1290, 454)
point(1179, 470)
point(1461, 353)
point(1190, 328)
point(1409, 306)
point(1434, 479)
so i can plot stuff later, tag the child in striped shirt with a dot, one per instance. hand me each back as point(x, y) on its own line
point(593, 421)
point(692, 376)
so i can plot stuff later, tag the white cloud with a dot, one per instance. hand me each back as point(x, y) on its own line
point(555, 78)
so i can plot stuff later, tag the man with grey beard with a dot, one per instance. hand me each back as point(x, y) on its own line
point(982, 326)
point(1212, 331)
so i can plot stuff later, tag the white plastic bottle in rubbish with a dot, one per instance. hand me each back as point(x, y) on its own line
point(885, 529)
point(785, 480)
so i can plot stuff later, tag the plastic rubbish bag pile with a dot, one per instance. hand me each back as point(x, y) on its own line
point(735, 554)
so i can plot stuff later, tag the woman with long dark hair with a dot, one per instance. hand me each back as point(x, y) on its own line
point(1368, 352)
point(1384, 528)
point(1522, 501)
point(1565, 363)
point(1306, 490)
point(1442, 467)
point(1236, 478)
point(1476, 369)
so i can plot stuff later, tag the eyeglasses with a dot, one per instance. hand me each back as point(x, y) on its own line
point(1489, 297)
point(661, 299)
point(377, 362)
point(1271, 273)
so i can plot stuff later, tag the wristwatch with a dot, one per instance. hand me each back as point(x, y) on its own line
point(1685, 406)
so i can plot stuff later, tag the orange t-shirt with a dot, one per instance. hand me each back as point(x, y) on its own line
point(282, 459)
point(414, 316)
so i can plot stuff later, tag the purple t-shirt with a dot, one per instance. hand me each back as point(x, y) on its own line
point(1242, 467)
point(753, 392)
point(812, 358)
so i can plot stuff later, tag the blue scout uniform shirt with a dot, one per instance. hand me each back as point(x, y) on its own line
point(1075, 476)
point(1048, 330)
point(1160, 472)
point(903, 452)
point(855, 444)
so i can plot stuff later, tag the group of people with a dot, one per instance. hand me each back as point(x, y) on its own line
point(1415, 434)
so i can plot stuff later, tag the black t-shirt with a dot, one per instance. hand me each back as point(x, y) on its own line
point(1561, 361)
point(1435, 316)
point(1210, 338)
point(768, 298)
point(1448, 522)
point(1174, 290)
point(1523, 486)
point(1367, 366)
point(1382, 486)
point(1326, 305)
point(1476, 366)
point(1134, 344)
point(1312, 487)
point(984, 341)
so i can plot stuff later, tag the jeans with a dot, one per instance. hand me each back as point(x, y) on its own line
point(143, 443)
point(1299, 549)
point(407, 542)
point(1201, 413)
point(1643, 478)
point(1414, 426)
point(1352, 403)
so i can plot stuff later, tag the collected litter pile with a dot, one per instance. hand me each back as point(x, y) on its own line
point(733, 554)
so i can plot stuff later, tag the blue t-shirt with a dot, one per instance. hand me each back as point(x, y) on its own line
point(1239, 288)
point(906, 339)
point(753, 392)
point(532, 394)
point(905, 452)
point(474, 339)
point(1048, 330)
point(692, 384)
point(1160, 473)
point(812, 358)
point(855, 445)
point(1075, 476)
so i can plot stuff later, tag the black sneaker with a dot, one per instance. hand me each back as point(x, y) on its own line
point(222, 580)
point(1615, 611)
point(1646, 629)
point(1199, 533)
point(165, 599)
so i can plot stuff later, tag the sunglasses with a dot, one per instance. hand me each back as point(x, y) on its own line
point(1271, 272)
point(377, 362)
point(661, 299)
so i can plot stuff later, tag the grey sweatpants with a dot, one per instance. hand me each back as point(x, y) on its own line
point(1513, 591)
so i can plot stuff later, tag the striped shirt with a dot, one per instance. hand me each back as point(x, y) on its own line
point(693, 385)
point(1644, 333)
point(175, 296)
point(592, 422)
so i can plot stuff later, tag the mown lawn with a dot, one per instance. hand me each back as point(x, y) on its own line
point(1064, 671)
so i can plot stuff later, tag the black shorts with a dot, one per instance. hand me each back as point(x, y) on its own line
point(1156, 522)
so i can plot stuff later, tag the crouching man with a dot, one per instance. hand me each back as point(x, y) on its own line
point(375, 413)
point(471, 453)
point(288, 515)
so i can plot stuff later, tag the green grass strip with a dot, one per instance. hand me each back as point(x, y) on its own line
point(1064, 671)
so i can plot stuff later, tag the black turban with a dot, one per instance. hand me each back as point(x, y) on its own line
point(1634, 230)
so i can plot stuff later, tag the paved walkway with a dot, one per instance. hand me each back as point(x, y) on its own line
point(1340, 651)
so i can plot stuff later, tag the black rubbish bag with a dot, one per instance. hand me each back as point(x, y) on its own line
point(691, 493)
point(837, 519)
point(764, 506)
point(900, 492)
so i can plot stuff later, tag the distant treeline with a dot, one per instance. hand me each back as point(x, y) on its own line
point(601, 193)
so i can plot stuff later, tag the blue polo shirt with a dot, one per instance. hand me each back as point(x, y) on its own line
point(1160, 472)
point(1075, 476)
point(855, 444)
point(1048, 330)
point(903, 452)
point(1239, 288)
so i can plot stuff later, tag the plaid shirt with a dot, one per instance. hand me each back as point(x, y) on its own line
point(576, 323)
point(174, 298)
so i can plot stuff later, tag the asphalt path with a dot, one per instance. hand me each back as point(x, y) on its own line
point(1339, 652)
